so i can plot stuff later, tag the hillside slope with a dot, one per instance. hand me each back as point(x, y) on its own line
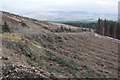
point(55, 50)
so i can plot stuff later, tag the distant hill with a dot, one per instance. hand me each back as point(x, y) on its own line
point(71, 16)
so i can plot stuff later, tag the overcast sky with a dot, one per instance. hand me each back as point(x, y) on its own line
point(26, 6)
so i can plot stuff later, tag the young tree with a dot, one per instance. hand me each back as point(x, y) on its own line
point(98, 26)
point(5, 27)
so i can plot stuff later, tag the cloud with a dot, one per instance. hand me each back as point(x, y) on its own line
point(26, 6)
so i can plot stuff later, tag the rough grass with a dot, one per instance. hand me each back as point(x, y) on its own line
point(12, 37)
point(21, 48)
point(61, 61)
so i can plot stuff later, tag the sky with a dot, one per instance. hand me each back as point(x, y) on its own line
point(28, 6)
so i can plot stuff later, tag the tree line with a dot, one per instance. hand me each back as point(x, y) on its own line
point(108, 28)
